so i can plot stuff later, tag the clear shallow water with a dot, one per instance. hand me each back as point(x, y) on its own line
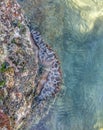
point(74, 29)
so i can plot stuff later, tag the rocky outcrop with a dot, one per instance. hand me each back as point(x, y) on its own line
point(24, 85)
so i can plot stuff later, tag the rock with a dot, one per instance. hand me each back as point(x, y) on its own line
point(21, 82)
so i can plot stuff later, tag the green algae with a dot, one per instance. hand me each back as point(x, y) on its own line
point(2, 83)
point(3, 67)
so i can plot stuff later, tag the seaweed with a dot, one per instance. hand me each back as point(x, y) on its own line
point(2, 83)
point(4, 67)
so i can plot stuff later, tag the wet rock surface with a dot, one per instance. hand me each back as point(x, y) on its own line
point(19, 71)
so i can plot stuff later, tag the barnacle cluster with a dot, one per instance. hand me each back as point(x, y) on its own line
point(29, 73)
point(51, 79)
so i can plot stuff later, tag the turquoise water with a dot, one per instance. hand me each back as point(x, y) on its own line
point(75, 30)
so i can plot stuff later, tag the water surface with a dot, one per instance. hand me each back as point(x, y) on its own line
point(74, 28)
